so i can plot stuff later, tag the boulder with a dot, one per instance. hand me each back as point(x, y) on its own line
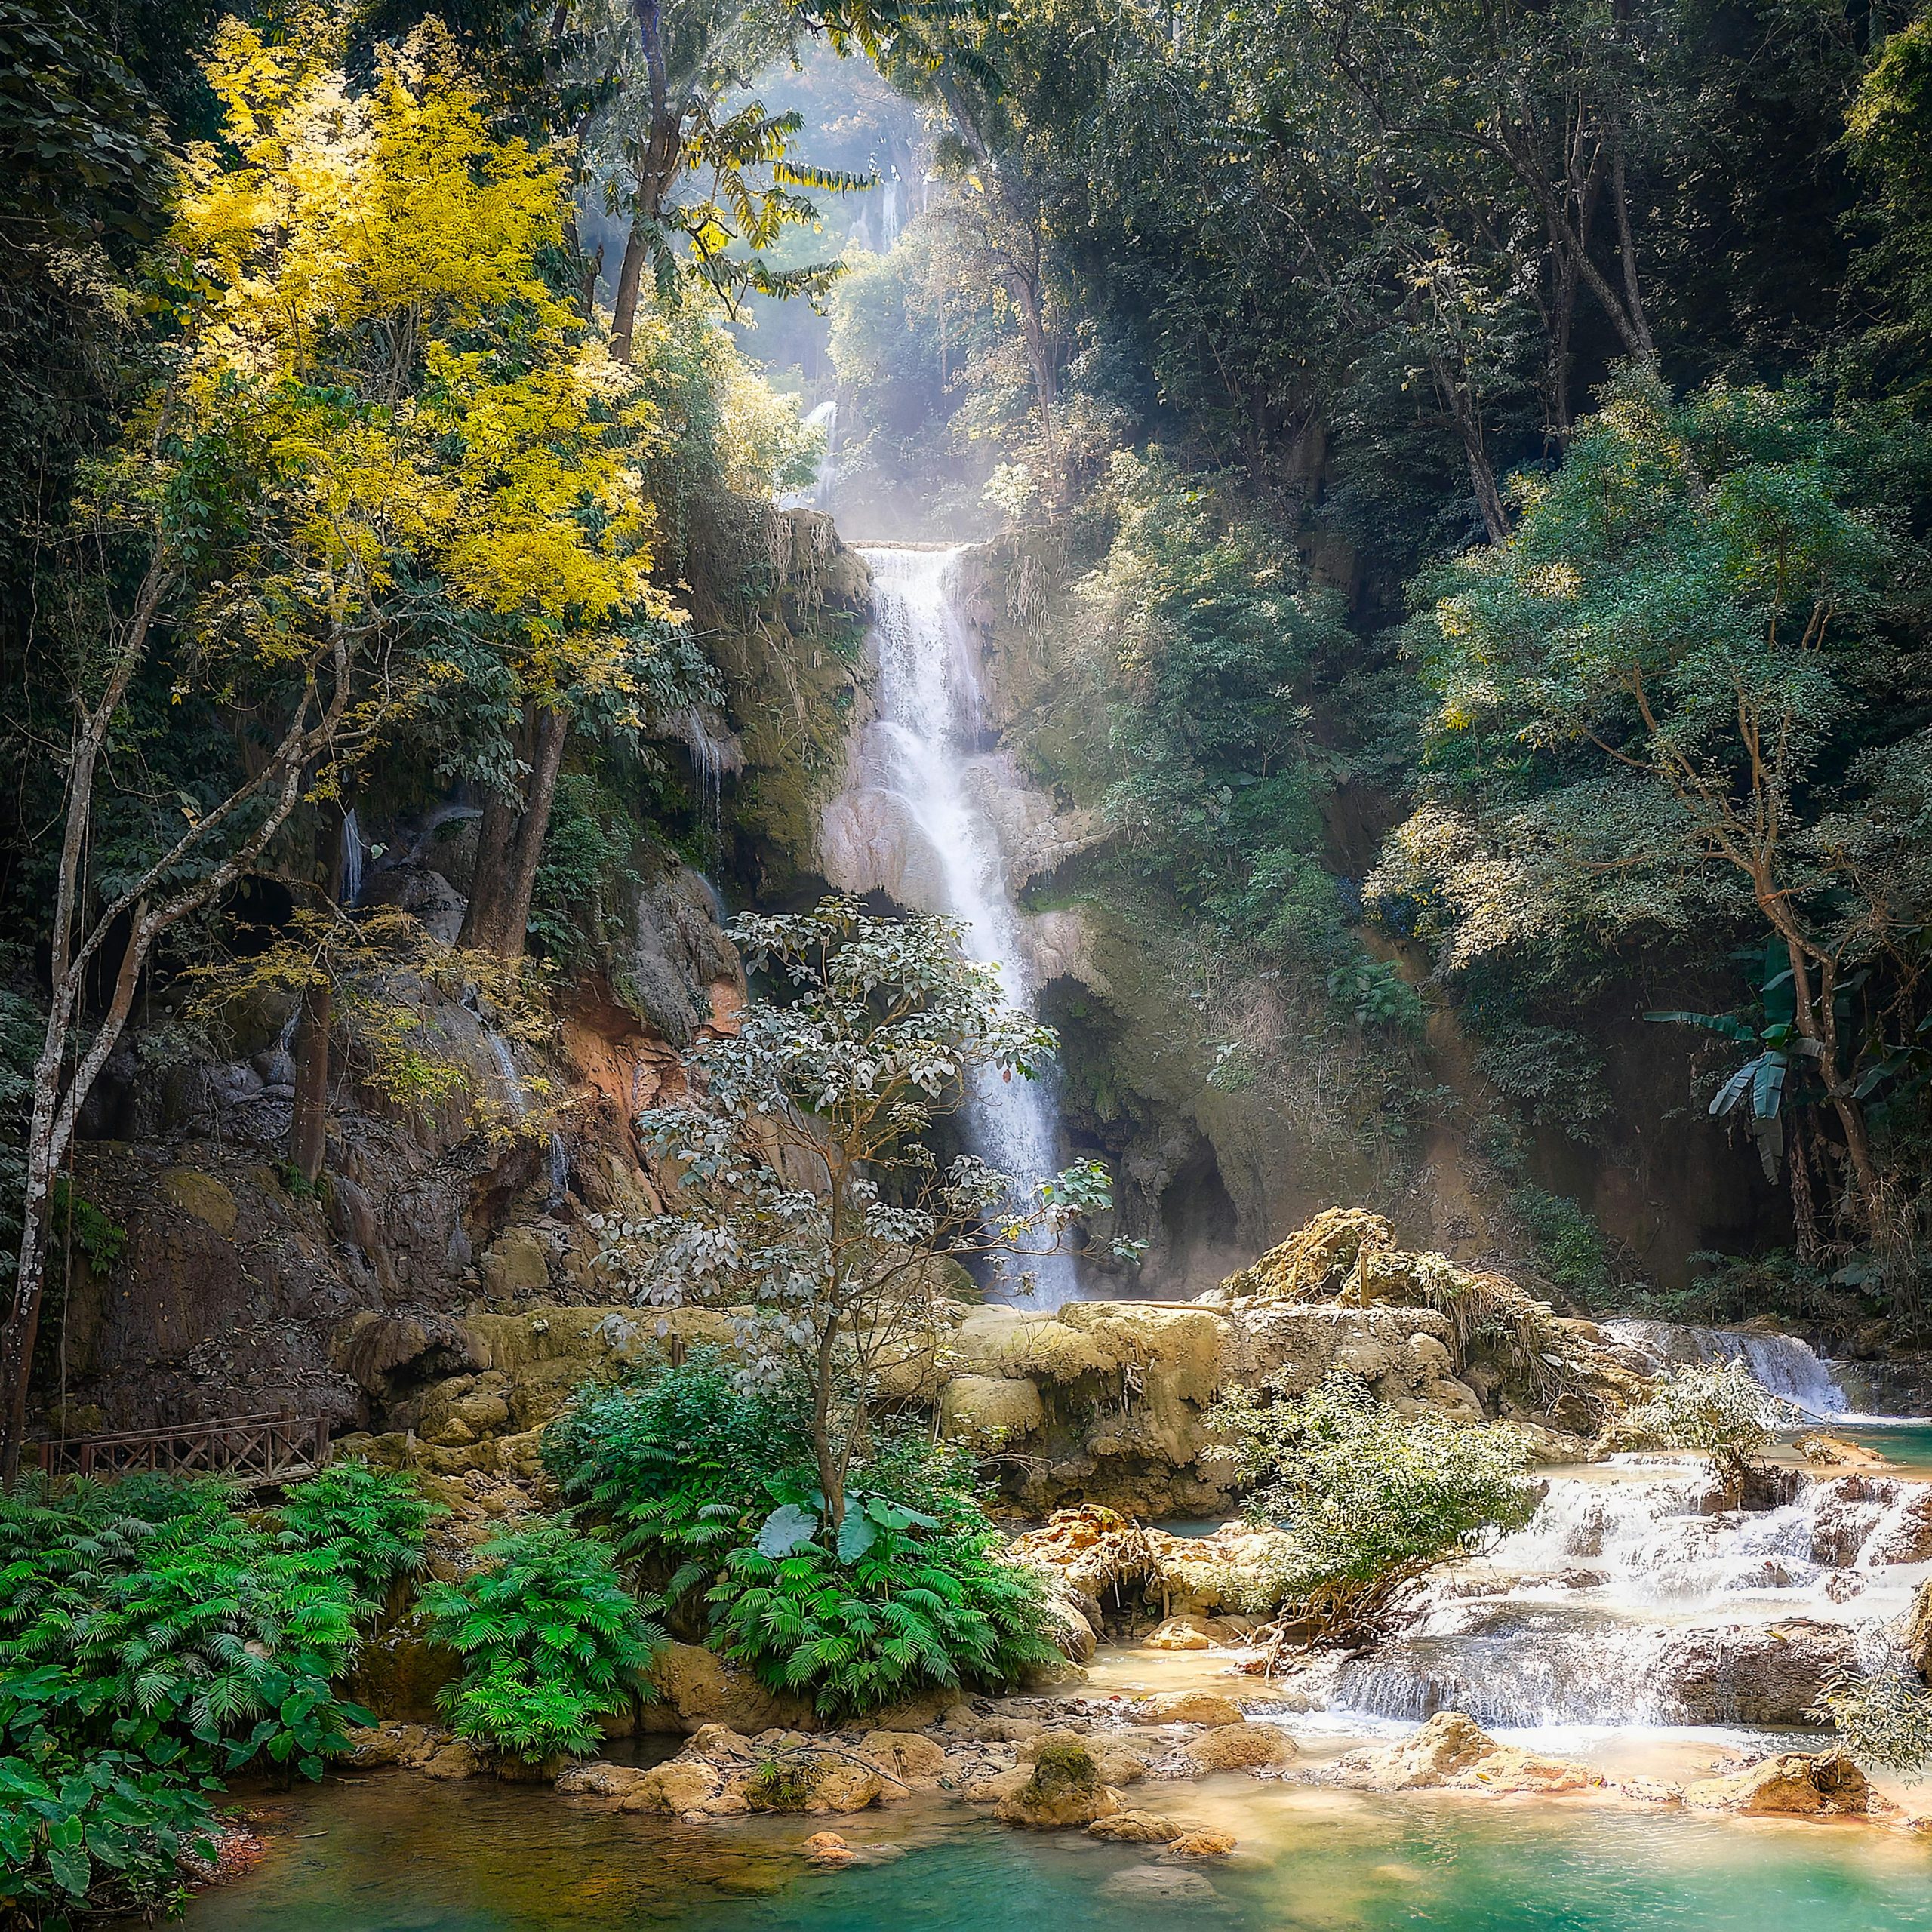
point(1154, 1884)
point(1452, 1752)
point(1756, 1674)
point(913, 1762)
point(407, 1744)
point(1205, 1707)
point(1203, 1843)
point(1137, 1828)
point(458, 1758)
point(1239, 1747)
point(1063, 1788)
point(598, 1779)
point(987, 1409)
point(683, 1786)
point(697, 1688)
point(841, 1785)
point(1181, 1633)
point(1120, 1760)
point(1795, 1784)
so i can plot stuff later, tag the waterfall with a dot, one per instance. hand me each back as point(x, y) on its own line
point(712, 757)
point(352, 861)
point(1632, 1598)
point(557, 1161)
point(889, 221)
point(1786, 1365)
point(919, 751)
point(824, 416)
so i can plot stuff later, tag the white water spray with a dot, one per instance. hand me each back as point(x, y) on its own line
point(1784, 1364)
point(919, 751)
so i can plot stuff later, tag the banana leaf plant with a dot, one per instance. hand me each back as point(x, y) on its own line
point(801, 1510)
point(1759, 1090)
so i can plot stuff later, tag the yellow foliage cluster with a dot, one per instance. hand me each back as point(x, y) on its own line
point(364, 317)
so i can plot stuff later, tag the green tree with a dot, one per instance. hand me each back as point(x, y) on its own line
point(1682, 647)
point(805, 1188)
point(1368, 1500)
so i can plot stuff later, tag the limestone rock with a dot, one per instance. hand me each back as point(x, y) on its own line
point(841, 1785)
point(1240, 1747)
point(1452, 1752)
point(696, 1687)
point(1118, 1759)
point(1064, 1787)
point(988, 1409)
point(1203, 1843)
point(1917, 1637)
point(1137, 1828)
point(458, 1758)
point(407, 1744)
point(518, 1263)
point(916, 1762)
point(1181, 1633)
point(1203, 1707)
point(682, 1786)
point(1154, 1884)
point(1795, 1784)
point(598, 1779)
point(210, 1200)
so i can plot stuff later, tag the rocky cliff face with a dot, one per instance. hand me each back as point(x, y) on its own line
point(232, 1291)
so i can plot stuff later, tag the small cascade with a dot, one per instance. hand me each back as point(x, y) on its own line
point(824, 416)
point(889, 221)
point(712, 755)
point(1786, 1366)
point(557, 1161)
point(1634, 1598)
point(352, 861)
point(919, 752)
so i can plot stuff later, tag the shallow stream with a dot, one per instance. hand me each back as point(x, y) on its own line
point(398, 1854)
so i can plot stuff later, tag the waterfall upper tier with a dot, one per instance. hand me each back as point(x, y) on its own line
point(914, 823)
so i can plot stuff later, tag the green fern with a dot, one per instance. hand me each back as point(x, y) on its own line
point(550, 1639)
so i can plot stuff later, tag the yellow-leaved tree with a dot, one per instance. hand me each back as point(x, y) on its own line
point(387, 482)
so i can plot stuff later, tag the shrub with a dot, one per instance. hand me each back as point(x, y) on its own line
point(1368, 1499)
point(1723, 1411)
point(154, 1642)
point(1571, 1248)
point(103, 1830)
point(781, 1784)
point(914, 1611)
point(369, 1522)
point(1882, 1717)
point(675, 1464)
point(177, 1629)
point(551, 1640)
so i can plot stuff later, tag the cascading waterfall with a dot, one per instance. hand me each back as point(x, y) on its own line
point(920, 750)
point(1633, 1598)
point(1786, 1365)
point(352, 861)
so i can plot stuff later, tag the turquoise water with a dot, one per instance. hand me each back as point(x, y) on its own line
point(1906, 1444)
point(395, 1853)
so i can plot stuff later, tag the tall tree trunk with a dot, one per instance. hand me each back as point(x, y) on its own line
point(630, 279)
point(483, 919)
point(553, 733)
point(308, 1131)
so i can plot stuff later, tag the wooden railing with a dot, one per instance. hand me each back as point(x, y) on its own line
point(259, 1451)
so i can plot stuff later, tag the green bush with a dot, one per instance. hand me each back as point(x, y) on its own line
point(1723, 1410)
point(1882, 1718)
point(155, 1641)
point(675, 1464)
point(1571, 1248)
point(371, 1522)
point(915, 1611)
point(1367, 1499)
point(550, 1639)
point(103, 1830)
